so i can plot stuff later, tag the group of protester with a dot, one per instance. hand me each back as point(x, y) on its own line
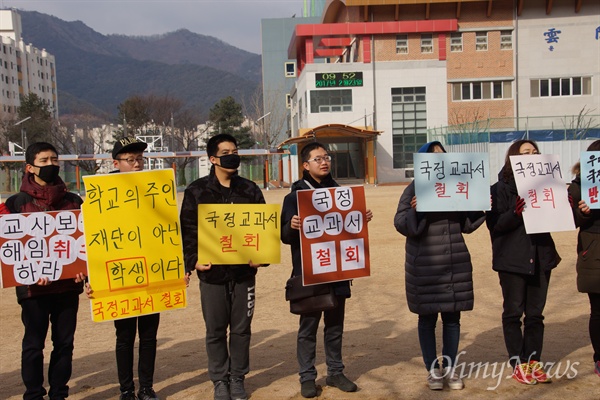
point(439, 272)
point(438, 278)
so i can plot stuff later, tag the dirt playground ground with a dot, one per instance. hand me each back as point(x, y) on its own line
point(381, 349)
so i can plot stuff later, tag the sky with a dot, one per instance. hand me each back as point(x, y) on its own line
point(236, 22)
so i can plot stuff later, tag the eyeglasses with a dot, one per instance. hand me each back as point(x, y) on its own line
point(320, 160)
point(132, 161)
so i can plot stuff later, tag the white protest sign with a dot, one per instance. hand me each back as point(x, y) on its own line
point(540, 181)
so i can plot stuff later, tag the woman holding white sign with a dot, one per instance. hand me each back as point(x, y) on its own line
point(588, 254)
point(438, 276)
point(523, 263)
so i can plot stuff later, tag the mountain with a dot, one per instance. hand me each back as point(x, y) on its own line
point(97, 72)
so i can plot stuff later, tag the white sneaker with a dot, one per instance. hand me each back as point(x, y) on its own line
point(454, 380)
point(435, 380)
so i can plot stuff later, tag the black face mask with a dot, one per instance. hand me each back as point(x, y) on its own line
point(48, 173)
point(230, 161)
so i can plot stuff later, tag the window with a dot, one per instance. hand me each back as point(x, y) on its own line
point(409, 124)
point(481, 41)
point(506, 40)
point(401, 44)
point(485, 90)
point(555, 87)
point(290, 69)
point(288, 101)
point(330, 100)
point(426, 43)
point(456, 41)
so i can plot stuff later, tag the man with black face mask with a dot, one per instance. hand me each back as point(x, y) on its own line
point(44, 302)
point(227, 292)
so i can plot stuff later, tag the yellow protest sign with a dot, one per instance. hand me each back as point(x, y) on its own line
point(238, 233)
point(133, 241)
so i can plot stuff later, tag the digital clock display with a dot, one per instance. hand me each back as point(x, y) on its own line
point(338, 79)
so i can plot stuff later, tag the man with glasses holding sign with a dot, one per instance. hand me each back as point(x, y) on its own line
point(316, 163)
point(128, 157)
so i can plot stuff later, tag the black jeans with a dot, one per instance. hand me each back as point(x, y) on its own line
point(37, 313)
point(595, 324)
point(524, 295)
point(147, 326)
point(307, 341)
point(450, 339)
point(230, 305)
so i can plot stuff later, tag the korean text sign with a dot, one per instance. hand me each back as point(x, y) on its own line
point(238, 233)
point(590, 178)
point(539, 179)
point(133, 239)
point(452, 181)
point(334, 238)
point(41, 245)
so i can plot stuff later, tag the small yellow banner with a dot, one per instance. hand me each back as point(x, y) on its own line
point(238, 233)
point(133, 242)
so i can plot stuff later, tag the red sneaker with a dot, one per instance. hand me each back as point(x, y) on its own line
point(538, 372)
point(522, 374)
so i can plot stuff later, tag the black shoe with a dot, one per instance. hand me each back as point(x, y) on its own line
point(308, 389)
point(147, 394)
point(341, 382)
point(236, 389)
point(128, 395)
point(222, 390)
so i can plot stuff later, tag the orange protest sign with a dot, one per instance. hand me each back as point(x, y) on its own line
point(41, 245)
point(334, 237)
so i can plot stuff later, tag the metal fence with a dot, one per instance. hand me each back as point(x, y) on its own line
point(566, 136)
point(252, 167)
point(500, 130)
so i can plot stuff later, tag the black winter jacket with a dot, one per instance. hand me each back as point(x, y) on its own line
point(513, 250)
point(292, 236)
point(207, 190)
point(588, 248)
point(438, 270)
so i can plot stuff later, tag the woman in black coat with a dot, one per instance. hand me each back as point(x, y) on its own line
point(523, 263)
point(588, 255)
point(438, 275)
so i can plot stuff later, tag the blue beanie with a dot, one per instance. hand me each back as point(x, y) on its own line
point(428, 147)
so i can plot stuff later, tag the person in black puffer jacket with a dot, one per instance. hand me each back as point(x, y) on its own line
point(227, 292)
point(44, 302)
point(588, 255)
point(438, 274)
point(524, 263)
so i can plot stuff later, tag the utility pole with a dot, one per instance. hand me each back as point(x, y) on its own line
point(266, 164)
point(23, 132)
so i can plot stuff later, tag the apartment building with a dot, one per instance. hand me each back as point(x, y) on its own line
point(24, 68)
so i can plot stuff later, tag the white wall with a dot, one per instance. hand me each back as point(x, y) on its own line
point(431, 75)
point(577, 53)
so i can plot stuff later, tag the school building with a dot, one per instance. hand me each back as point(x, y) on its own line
point(375, 79)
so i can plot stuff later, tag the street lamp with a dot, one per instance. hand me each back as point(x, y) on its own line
point(23, 133)
point(266, 166)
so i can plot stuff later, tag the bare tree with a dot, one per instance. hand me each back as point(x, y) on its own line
point(84, 134)
point(577, 126)
point(468, 122)
point(274, 126)
point(6, 128)
point(184, 136)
